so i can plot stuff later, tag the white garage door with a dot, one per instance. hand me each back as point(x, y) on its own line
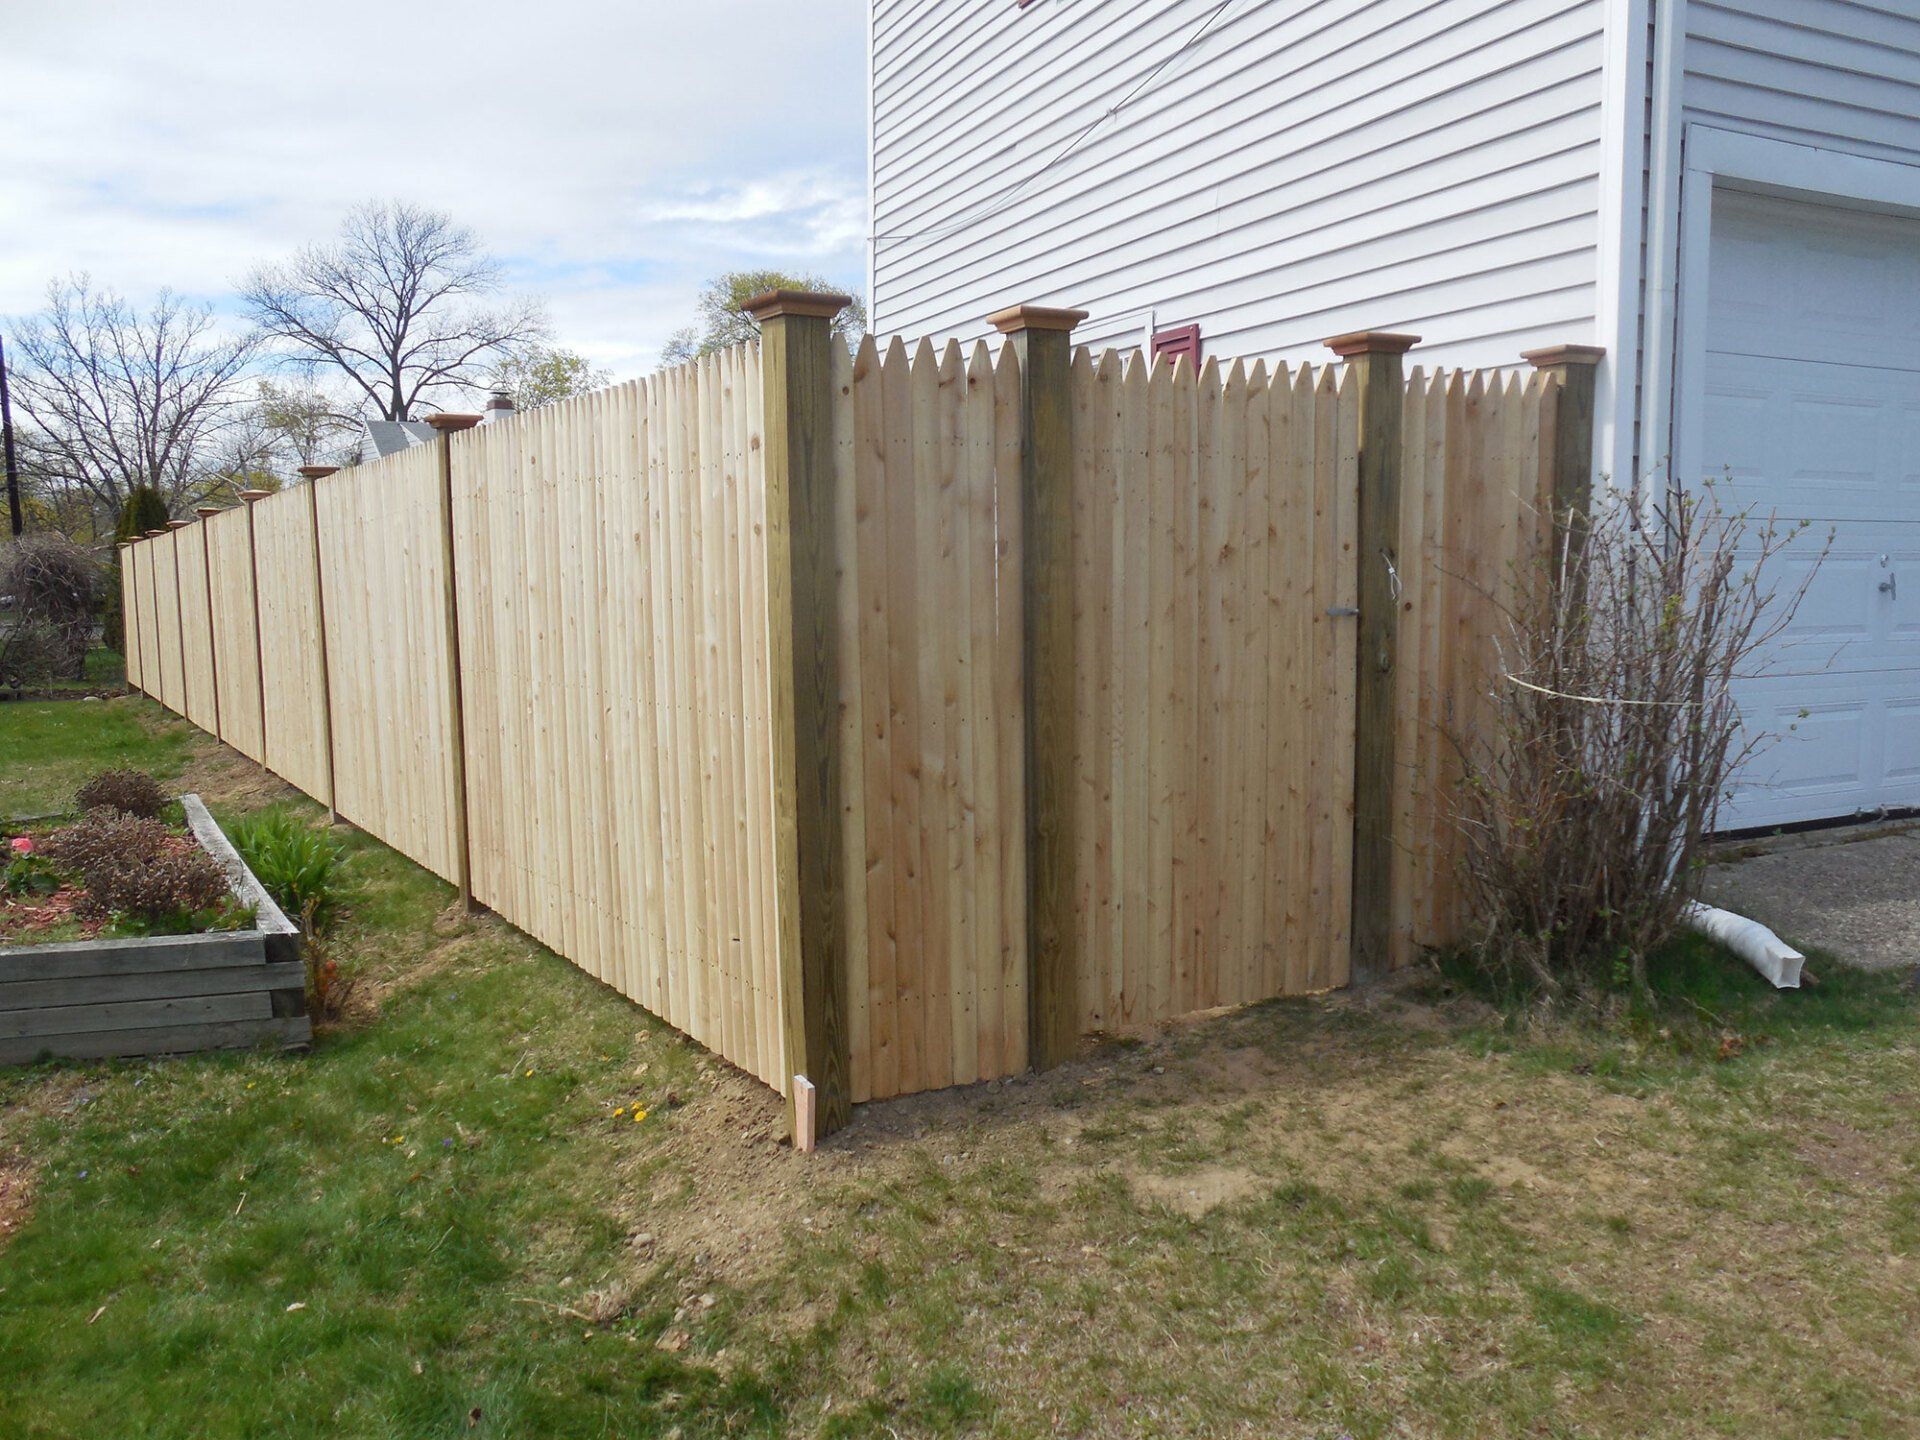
point(1813, 404)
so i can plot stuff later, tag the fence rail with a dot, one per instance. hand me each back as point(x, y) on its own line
point(886, 717)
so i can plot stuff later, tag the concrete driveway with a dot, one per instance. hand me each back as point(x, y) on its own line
point(1857, 899)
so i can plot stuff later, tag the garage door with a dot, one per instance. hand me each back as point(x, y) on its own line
point(1813, 406)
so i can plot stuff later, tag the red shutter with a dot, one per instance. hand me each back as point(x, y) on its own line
point(1181, 340)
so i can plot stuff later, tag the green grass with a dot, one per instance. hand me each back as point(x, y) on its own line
point(1310, 1218)
point(47, 747)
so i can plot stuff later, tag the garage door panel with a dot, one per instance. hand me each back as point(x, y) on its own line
point(1812, 413)
point(1903, 744)
point(1822, 442)
point(1812, 282)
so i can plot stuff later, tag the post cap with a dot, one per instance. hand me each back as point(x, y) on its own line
point(203, 511)
point(817, 304)
point(1564, 355)
point(445, 424)
point(1371, 342)
point(315, 472)
point(1016, 318)
point(252, 495)
point(178, 524)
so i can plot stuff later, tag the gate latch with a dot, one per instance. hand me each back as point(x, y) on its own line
point(1342, 611)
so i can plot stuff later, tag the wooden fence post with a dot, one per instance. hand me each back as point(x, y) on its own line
point(1575, 367)
point(252, 498)
point(1042, 338)
point(130, 637)
point(1376, 358)
point(796, 336)
point(180, 618)
point(312, 473)
point(153, 593)
point(456, 701)
point(205, 513)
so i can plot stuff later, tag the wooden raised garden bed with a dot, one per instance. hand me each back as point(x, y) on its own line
point(165, 994)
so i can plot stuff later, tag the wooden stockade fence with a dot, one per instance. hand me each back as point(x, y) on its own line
point(895, 718)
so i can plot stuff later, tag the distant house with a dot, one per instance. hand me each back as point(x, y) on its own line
point(1725, 194)
point(389, 437)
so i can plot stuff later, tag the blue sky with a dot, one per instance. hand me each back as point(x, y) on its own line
point(612, 155)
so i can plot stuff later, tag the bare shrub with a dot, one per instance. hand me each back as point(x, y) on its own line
point(1610, 736)
point(132, 792)
point(100, 836)
point(178, 884)
point(53, 583)
point(33, 655)
point(136, 867)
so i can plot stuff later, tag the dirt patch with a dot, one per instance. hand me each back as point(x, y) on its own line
point(1199, 1191)
point(1844, 1154)
point(223, 776)
point(16, 1192)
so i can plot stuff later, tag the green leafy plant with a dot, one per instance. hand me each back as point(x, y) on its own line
point(132, 792)
point(298, 864)
point(29, 875)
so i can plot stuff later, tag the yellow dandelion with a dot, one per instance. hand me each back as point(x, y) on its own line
point(529, 1072)
point(621, 1111)
point(638, 1114)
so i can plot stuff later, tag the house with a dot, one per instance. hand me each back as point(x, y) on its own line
point(1724, 194)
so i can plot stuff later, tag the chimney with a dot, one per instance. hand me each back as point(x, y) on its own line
point(499, 407)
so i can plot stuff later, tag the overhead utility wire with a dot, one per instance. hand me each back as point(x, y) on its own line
point(1001, 199)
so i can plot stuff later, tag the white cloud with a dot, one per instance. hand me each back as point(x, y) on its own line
point(612, 155)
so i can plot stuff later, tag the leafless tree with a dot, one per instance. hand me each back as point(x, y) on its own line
point(1593, 775)
point(399, 304)
point(115, 398)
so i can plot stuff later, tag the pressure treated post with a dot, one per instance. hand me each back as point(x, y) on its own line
point(253, 498)
point(796, 380)
point(1575, 367)
point(445, 425)
point(1042, 338)
point(129, 621)
point(180, 620)
point(311, 474)
point(206, 513)
point(1376, 359)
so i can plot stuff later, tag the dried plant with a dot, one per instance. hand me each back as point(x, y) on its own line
point(51, 586)
point(132, 792)
point(101, 836)
point(1609, 735)
point(135, 867)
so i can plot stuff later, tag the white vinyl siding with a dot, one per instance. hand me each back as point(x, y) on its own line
point(1304, 169)
point(1831, 73)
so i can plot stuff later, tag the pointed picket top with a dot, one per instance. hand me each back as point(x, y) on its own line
point(866, 359)
point(1210, 372)
point(841, 368)
point(980, 366)
point(895, 363)
point(1109, 367)
point(952, 364)
point(925, 358)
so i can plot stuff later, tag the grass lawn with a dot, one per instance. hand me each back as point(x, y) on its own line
point(1399, 1214)
point(47, 747)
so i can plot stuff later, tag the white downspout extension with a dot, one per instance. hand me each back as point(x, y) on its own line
point(1753, 942)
